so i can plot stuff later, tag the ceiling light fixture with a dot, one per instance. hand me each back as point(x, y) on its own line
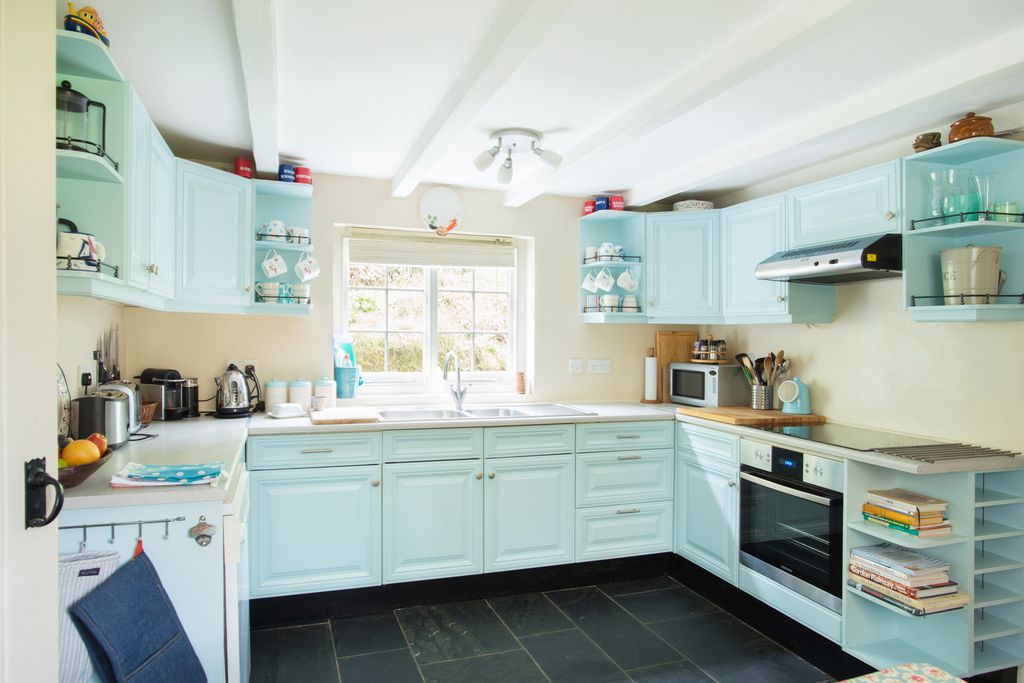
point(514, 141)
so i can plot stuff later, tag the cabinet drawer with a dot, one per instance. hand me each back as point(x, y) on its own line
point(503, 442)
point(615, 436)
point(623, 477)
point(415, 445)
point(623, 530)
point(328, 450)
point(708, 442)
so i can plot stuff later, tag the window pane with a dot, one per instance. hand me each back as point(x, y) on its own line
point(405, 311)
point(461, 343)
point(492, 313)
point(492, 279)
point(366, 275)
point(365, 309)
point(405, 353)
point(369, 350)
point(405, 277)
point(455, 278)
point(491, 352)
point(454, 312)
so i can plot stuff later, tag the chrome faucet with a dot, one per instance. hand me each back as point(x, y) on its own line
point(458, 392)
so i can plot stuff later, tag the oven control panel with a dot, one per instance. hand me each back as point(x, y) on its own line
point(823, 472)
point(756, 454)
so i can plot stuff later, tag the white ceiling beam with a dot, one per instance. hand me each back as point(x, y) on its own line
point(988, 75)
point(520, 27)
point(793, 26)
point(256, 33)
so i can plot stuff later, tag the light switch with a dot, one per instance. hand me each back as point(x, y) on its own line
point(600, 366)
point(575, 366)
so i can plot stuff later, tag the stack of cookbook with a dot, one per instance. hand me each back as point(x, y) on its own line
point(916, 583)
point(907, 512)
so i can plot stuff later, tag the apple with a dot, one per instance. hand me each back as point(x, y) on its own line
point(100, 441)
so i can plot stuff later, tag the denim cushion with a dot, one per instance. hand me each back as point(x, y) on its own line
point(132, 631)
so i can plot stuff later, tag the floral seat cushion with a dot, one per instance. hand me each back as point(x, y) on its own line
point(908, 673)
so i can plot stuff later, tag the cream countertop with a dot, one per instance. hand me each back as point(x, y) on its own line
point(192, 441)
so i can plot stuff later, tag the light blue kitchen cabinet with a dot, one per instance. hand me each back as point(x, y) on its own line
point(707, 515)
point(865, 202)
point(604, 533)
point(624, 477)
point(433, 519)
point(161, 215)
point(682, 266)
point(138, 267)
point(315, 529)
point(528, 512)
point(215, 235)
point(616, 436)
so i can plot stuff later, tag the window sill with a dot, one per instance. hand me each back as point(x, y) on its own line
point(370, 398)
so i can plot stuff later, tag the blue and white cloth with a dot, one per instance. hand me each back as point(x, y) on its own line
point(134, 474)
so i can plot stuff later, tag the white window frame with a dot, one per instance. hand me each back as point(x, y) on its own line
point(430, 380)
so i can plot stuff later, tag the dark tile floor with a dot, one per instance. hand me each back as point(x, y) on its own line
point(649, 631)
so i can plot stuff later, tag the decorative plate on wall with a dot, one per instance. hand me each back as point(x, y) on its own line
point(441, 210)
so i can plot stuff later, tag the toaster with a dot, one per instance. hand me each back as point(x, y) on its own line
point(134, 398)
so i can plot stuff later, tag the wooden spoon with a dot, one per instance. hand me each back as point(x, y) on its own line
point(769, 370)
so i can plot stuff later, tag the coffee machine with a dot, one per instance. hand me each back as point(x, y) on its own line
point(166, 388)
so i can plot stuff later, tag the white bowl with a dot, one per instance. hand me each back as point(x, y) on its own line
point(693, 205)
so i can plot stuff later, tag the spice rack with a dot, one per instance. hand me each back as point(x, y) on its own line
point(710, 351)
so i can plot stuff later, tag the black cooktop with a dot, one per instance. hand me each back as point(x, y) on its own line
point(845, 436)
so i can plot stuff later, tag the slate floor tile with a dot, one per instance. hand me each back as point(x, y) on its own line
point(529, 614)
point(457, 630)
point(654, 583)
point(362, 635)
point(505, 667)
point(667, 604)
point(677, 672)
point(302, 653)
point(730, 651)
point(571, 657)
point(628, 642)
point(396, 666)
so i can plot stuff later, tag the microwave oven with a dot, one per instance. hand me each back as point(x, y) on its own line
point(707, 386)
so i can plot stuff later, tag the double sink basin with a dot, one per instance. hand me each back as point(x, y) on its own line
point(490, 412)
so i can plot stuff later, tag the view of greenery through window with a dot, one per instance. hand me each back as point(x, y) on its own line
point(390, 309)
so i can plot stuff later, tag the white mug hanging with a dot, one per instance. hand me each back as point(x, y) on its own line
point(307, 268)
point(273, 264)
point(589, 284)
point(604, 280)
point(627, 281)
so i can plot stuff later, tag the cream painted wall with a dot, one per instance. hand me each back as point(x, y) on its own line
point(199, 345)
point(81, 321)
point(874, 366)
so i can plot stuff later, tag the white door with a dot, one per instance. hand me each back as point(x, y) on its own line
point(28, 348)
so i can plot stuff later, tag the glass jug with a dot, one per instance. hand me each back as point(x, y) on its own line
point(953, 196)
point(77, 128)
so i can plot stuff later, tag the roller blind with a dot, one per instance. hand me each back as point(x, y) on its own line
point(425, 249)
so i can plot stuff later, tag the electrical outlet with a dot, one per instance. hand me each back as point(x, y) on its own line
point(575, 366)
point(87, 367)
point(600, 366)
point(241, 363)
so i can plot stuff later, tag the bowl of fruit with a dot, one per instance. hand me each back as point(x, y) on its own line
point(79, 458)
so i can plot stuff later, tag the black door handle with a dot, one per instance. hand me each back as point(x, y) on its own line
point(36, 482)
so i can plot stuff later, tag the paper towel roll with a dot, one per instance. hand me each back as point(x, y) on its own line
point(650, 378)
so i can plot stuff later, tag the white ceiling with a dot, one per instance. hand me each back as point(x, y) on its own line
point(653, 98)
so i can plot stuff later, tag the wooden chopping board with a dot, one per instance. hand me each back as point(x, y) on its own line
point(745, 416)
point(671, 347)
point(343, 416)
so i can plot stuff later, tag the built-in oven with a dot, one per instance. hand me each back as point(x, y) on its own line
point(791, 520)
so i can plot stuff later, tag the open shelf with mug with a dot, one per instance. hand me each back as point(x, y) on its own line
point(283, 217)
point(611, 269)
point(966, 195)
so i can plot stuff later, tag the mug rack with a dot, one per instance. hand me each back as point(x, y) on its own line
point(94, 265)
point(964, 299)
point(612, 309)
point(290, 299)
point(611, 259)
point(113, 526)
point(283, 239)
point(966, 217)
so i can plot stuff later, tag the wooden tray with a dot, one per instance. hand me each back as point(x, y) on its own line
point(343, 416)
point(745, 416)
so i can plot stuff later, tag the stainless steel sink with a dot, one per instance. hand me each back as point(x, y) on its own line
point(496, 412)
point(421, 415)
point(551, 410)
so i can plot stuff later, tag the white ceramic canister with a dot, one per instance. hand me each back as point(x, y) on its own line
point(300, 391)
point(277, 392)
point(327, 388)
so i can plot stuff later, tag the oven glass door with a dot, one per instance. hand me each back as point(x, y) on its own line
point(794, 527)
point(689, 384)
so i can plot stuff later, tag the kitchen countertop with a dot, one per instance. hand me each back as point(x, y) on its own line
point(193, 441)
point(261, 425)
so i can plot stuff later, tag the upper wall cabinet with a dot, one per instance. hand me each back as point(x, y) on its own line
point(682, 258)
point(751, 232)
point(866, 202)
point(214, 237)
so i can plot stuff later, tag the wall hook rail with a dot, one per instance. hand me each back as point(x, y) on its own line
point(113, 526)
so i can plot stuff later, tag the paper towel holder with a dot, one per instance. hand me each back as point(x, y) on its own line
point(649, 360)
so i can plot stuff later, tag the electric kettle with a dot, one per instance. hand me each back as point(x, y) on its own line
point(233, 399)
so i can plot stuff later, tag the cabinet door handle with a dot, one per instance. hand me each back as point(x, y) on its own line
point(317, 450)
point(889, 215)
point(627, 436)
point(375, 483)
point(630, 457)
point(780, 298)
point(627, 511)
point(479, 475)
point(732, 483)
point(152, 268)
point(248, 289)
point(490, 475)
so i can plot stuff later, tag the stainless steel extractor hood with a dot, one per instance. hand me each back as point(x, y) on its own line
point(852, 260)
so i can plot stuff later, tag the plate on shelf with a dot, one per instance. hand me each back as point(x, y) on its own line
point(441, 210)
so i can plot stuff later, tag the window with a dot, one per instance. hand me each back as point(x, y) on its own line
point(405, 314)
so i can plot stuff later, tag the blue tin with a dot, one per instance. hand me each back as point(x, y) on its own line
point(286, 173)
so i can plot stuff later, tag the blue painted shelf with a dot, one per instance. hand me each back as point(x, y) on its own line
point(267, 245)
point(277, 188)
point(74, 165)
point(906, 540)
point(82, 55)
point(967, 151)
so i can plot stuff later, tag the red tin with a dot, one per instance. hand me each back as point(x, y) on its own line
point(303, 175)
point(243, 167)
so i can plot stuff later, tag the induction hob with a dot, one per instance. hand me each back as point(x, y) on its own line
point(855, 438)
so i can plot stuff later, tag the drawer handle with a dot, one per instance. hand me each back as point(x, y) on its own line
point(317, 450)
point(627, 511)
point(479, 475)
point(631, 457)
point(627, 436)
point(375, 483)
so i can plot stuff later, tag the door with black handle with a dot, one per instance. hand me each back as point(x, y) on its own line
point(37, 481)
